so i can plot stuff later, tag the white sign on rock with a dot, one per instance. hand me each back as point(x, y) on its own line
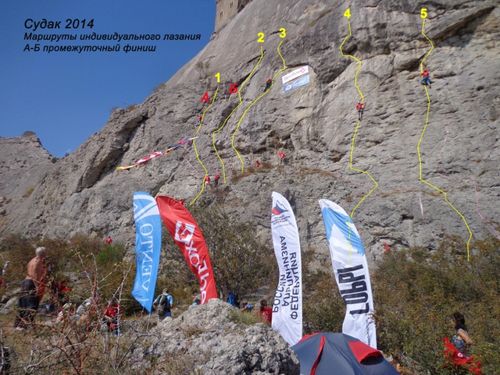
point(295, 74)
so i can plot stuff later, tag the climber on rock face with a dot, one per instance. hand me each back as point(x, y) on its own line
point(216, 179)
point(269, 83)
point(207, 180)
point(281, 156)
point(233, 88)
point(426, 77)
point(360, 107)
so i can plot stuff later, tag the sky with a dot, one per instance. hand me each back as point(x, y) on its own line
point(65, 97)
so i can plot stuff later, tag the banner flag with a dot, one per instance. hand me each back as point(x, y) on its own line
point(188, 236)
point(351, 272)
point(287, 304)
point(147, 248)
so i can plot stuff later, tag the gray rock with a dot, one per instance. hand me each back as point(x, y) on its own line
point(9, 306)
point(217, 345)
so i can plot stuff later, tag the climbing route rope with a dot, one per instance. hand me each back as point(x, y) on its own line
point(423, 15)
point(359, 63)
point(252, 103)
point(220, 128)
point(195, 148)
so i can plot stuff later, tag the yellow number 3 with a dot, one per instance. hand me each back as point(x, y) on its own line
point(282, 33)
point(347, 13)
point(423, 13)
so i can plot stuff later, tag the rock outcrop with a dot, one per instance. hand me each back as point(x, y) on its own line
point(207, 339)
point(313, 125)
point(23, 163)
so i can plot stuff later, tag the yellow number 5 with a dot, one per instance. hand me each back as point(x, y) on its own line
point(423, 13)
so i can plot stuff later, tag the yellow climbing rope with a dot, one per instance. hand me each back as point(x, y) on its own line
point(196, 148)
point(220, 128)
point(252, 103)
point(423, 15)
point(359, 63)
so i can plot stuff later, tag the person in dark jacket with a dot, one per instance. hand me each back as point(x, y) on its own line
point(27, 305)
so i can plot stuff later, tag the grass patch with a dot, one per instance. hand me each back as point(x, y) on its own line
point(244, 317)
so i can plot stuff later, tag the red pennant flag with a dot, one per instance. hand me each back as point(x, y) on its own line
point(188, 236)
point(205, 98)
point(233, 88)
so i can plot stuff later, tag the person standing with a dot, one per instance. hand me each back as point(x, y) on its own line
point(266, 312)
point(164, 302)
point(27, 305)
point(37, 271)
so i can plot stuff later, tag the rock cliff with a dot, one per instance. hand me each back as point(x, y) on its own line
point(313, 125)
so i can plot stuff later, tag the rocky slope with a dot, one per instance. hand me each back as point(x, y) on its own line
point(208, 339)
point(313, 125)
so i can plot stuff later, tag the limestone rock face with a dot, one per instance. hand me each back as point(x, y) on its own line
point(23, 162)
point(313, 125)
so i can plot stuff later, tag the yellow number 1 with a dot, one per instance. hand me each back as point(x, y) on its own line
point(260, 37)
point(217, 76)
point(347, 13)
point(282, 33)
point(423, 13)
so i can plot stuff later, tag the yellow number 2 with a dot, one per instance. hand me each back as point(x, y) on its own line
point(260, 37)
point(282, 33)
point(217, 76)
point(347, 13)
point(423, 13)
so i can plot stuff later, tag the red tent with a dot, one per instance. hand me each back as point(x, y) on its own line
point(327, 353)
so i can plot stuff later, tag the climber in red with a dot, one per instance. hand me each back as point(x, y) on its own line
point(426, 77)
point(233, 88)
point(207, 180)
point(281, 156)
point(360, 107)
point(216, 179)
point(205, 98)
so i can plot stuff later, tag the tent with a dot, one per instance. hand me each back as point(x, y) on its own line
point(327, 353)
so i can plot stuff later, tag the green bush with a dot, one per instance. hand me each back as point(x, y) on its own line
point(241, 263)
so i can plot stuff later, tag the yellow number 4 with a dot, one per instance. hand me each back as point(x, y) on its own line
point(347, 13)
point(423, 13)
point(282, 33)
point(261, 37)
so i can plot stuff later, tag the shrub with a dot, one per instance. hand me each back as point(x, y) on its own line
point(241, 262)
